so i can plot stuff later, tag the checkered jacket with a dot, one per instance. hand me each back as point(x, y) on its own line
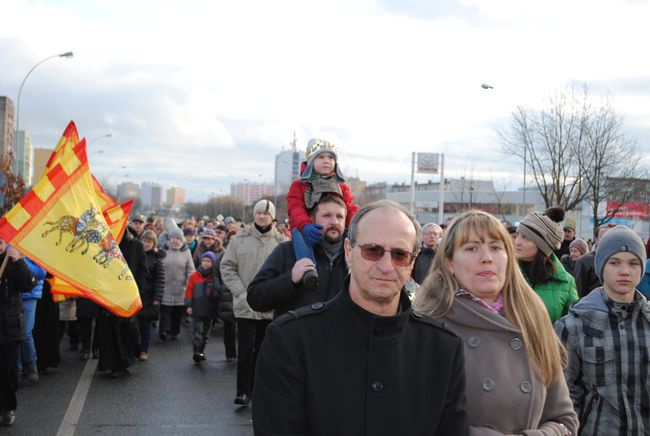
point(608, 364)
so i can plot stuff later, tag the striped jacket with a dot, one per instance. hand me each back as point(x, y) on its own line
point(608, 364)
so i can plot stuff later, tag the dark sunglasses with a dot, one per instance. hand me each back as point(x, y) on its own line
point(374, 252)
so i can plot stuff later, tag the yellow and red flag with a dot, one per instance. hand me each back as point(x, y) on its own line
point(104, 201)
point(59, 225)
point(117, 218)
point(68, 141)
point(61, 287)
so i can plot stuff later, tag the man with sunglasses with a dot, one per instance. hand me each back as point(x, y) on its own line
point(363, 362)
point(278, 284)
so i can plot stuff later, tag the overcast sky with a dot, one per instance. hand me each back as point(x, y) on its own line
point(204, 93)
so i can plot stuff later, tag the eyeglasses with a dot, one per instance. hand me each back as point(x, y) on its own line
point(374, 252)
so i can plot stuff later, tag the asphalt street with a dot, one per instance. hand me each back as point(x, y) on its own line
point(167, 395)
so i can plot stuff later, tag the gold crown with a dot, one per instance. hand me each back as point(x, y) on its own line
point(315, 145)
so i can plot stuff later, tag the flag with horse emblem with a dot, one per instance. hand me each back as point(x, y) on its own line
point(117, 218)
point(59, 225)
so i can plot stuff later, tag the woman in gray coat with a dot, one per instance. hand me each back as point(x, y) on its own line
point(513, 362)
point(178, 266)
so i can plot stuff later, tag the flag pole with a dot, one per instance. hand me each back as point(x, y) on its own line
point(4, 265)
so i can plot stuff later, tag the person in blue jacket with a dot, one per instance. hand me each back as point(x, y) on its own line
point(28, 359)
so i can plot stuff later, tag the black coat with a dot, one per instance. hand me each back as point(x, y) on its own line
point(225, 310)
point(16, 278)
point(136, 258)
point(335, 369)
point(273, 289)
point(154, 284)
point(585, 274)
point(422, 264)
point(87, 308)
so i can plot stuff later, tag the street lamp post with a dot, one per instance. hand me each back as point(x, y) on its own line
point(67, 54)
point(106, 135)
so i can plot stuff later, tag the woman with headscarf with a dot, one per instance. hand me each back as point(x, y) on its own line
point(538, 235)
point(513, 364)
point(577, 248)
point(178, 267)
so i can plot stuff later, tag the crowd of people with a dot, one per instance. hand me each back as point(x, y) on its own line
point(363, 321)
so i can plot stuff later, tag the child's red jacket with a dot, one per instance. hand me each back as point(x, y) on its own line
point(298, 215)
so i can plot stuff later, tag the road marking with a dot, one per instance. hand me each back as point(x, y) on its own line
point(76, 405)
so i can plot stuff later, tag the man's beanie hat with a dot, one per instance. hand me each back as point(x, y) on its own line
point(210, 255)
point(209, 233)
point(544, 229)
point(580, 245)
point(618, 239)
point(265, 206)
point(188, 231)
point(175, 233)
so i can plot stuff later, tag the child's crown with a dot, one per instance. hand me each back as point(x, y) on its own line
point(314, 146)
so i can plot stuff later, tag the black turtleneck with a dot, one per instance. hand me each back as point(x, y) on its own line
point(263, 229)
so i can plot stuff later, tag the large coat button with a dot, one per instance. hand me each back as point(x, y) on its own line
point(473, 341)
point(377, 385)
point(516, 344)
point(488, 384)
point(526, 387)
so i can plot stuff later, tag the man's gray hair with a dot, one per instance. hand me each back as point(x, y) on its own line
point(354, 224)
point(433, 225)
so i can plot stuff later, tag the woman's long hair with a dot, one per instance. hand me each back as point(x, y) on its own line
point(540, 270)
point(522, 307)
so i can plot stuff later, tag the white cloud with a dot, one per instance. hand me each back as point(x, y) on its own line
point(234, 80)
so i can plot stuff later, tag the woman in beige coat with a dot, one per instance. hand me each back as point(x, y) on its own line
point(513, 361)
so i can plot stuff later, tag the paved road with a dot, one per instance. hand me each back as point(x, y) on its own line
point(168, 395)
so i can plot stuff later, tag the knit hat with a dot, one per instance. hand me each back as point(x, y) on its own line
point(228, 220)
point(175, 233)
point(188, 231)
point(210, 255)
point(580, 245)
point(265, 206)
point(139, 217)
point(544, 229)
point(208, 232)
point(618, 239)
point(314, 148)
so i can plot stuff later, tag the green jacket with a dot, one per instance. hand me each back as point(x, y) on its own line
point(559, 293)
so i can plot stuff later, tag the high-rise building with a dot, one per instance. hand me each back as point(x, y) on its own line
point(175, 196)
point(6, 126)
point(24, 157)
point(249, 193)
point(151, 195)
point(127, 190)
point(41, 156)
point(287, 167)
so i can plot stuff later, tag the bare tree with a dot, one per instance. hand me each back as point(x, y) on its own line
point(610, 163)
point(548, 140)
point(499, 196)
point(470, 186)
point(12, 186)
point(577, 150)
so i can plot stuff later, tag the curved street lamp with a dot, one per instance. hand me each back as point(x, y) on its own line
point(67, 54)
point(107, 135)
